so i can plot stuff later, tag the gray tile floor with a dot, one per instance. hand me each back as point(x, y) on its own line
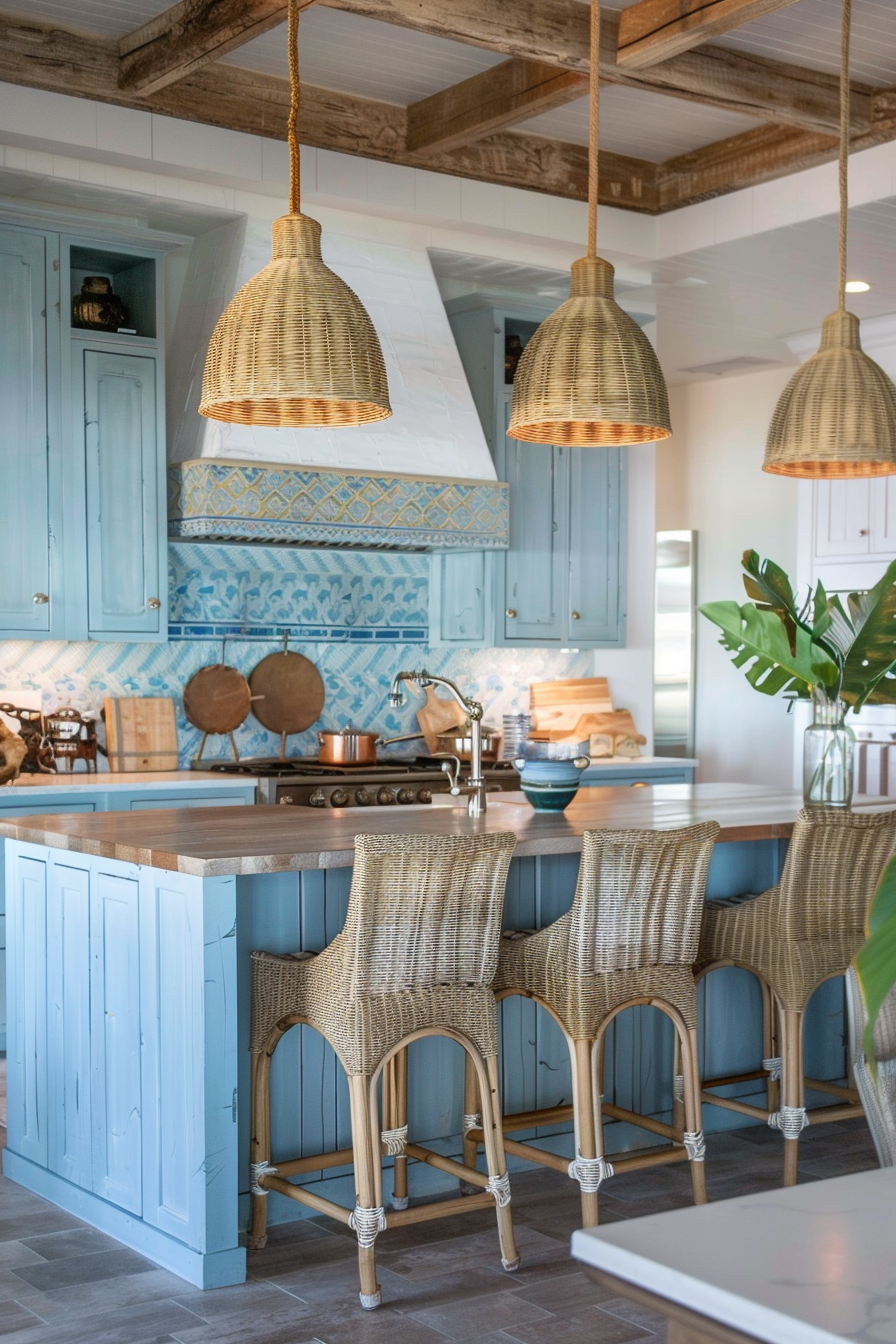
point(61, 1282)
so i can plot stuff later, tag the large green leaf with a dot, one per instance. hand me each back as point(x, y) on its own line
point(876, 961)
point(759, 642)
point(873, 651)
point(769, 587)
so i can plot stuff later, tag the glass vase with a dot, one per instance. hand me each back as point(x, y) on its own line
point(828, 756)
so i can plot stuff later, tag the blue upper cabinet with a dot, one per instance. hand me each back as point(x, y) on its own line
point(26, 296)
point(82, 452)
point(124, 593)
point(562, 582)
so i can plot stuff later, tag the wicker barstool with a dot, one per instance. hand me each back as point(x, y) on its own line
point(416, 957)
point(630, 938)
point(793, 937)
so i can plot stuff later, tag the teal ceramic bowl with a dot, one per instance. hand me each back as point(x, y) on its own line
point(549, 797)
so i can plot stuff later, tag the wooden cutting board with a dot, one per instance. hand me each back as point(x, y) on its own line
point(559, 705)
point(438, 716)
point(141, 733)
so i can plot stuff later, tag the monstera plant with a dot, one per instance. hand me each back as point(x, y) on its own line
point(819, 647)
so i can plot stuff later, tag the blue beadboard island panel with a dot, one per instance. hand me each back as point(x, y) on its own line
point(219, 499)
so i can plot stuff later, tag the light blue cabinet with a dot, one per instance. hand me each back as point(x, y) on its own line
point(82, 453)
point(95, 797)
point(126, 587)
point(27, 292)
point(561, 583)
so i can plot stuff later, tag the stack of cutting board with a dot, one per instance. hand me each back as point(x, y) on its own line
point(141, 733)
point(581, 709)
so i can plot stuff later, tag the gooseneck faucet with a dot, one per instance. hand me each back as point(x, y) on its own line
point(475, 785)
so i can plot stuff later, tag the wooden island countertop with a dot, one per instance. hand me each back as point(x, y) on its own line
point(214, 842)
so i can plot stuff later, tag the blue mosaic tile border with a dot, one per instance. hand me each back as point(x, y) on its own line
point(217, 499)
point(262, 593)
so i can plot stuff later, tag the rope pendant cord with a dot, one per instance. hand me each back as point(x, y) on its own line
point(845, 108)
point(593, 126)
point(292, 125)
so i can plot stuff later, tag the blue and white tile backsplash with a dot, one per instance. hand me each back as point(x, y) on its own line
point(359, 616)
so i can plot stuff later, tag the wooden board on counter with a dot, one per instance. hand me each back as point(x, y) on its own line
point(557, 706)
point(141, 733)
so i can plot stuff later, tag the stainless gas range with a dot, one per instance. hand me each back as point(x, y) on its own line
point(304, 782)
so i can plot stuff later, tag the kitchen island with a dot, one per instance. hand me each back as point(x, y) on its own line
point(129, 994)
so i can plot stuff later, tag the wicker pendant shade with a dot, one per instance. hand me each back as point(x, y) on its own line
point(836, 418)
point(295, 345)
point(589, 376)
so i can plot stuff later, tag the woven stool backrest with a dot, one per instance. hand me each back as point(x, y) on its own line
point(832, 867)
point(639, 898)
point(425, 910)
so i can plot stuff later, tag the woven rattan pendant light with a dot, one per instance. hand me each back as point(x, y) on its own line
point(589, 376)
point(836, 418)
point(295, 345)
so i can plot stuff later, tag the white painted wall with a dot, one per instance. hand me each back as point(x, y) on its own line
point(710, 478)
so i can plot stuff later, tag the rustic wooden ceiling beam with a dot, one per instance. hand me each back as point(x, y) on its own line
point(189, 35)
point(555, 32)
point(490, 102)
point(653, 30)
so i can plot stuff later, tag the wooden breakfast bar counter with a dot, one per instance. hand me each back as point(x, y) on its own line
point(129, 938)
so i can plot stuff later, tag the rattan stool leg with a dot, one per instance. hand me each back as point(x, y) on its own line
point(588, 1135)
point(693, 1112)
point(770, 1057)
point(791, 1118)
point(471, 1118)
point(678, 1116)
point(395, 1122)
point(496, 1163)
point(260, 1145)
point(367, 1219)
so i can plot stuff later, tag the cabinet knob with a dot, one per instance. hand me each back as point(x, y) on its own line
point(863, 531)
point(153, 604)
point(511, 611)
point(40, 599)
point(576, 615)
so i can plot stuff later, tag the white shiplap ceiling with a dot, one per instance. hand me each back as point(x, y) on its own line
point(353, 54)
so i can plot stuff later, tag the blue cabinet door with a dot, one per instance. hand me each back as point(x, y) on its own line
point(69, 1138)
point(26, 881)
point(25, 592)
point(531, 595)
point(126, 590)
point(597, 508)
point(461, 592)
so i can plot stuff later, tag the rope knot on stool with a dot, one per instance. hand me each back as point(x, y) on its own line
point(695, 1145)
point(590, 1172)
point(257, 1170)
point(499, 1186)
point(772, 1067)
point(395, 1141)
point(791, 1120)
point(367, 1223)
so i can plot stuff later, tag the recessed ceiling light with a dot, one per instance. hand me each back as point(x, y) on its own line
point(857, 286)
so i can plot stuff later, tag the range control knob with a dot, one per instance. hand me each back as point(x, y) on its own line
point(339, 798)
point(424, 796)
point(385, 796)
point(406, 795)
point(318, 799)
point(286, 800)
point(363, 798)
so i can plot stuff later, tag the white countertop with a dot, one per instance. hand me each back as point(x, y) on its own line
point(639, 762)
point(812, 1264)
point(106, 780)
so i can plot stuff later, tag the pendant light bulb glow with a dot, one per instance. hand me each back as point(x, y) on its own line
point(589, 376)
point(295, 346)
point(836, 419)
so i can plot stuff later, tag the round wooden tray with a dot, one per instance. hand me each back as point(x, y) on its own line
point(287, 693)
point(216, 699)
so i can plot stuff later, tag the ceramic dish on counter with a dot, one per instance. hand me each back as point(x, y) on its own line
point(550, 786)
